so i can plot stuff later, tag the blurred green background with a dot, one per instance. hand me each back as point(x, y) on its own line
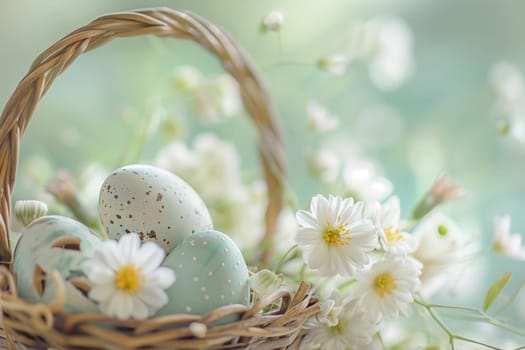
point(445, 118)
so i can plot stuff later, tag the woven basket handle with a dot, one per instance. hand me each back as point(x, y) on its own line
point(162, 22)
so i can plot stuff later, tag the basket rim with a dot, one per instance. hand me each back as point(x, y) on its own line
point(37, 323)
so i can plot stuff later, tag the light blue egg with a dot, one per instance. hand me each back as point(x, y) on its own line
point(210, 272)
point(42, 248)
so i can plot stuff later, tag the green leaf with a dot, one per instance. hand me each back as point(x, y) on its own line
point(495, 289)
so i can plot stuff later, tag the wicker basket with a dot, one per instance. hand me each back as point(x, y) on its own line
point(41, 326)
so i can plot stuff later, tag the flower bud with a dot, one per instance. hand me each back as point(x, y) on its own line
point(28, 210)
point(264, 283)
point(273, 21)
point(443, 190)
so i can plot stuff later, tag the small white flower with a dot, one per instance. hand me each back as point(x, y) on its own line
point(517, 128)
point(126, 279)
point(362, 181)
point(217, 99)
point(212, 166)
point(335, 64)
point(334, 236)
point(351, 330)
point(229, 95)
point(439, 248)
point(273, 21)
point(187, 78)
point(178, 158)
point(392, 62)
point(508, 84)
point(386, 290)
point(325, 165)
point(504, 242)
point(330, 309)
point(319, 119)
point(391, 235)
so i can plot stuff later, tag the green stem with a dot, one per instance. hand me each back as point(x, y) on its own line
point(469, 340)
point(283, 259)
point(346, 284)
point(443, 326)
point(482, 316)
point(436, 318)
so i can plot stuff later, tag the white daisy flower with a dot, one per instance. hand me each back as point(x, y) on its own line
point(504, 242)
point(351, 330)
point(319, 119)
point(386, 290)
point(334, 236)
point(126, 279)
point(273, 21)
point(391, 235)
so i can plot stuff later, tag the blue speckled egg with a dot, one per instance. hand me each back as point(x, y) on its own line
point(152, 202)
point(54, 243)
point(210, 272)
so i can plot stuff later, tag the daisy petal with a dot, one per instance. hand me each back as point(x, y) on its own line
point(153, 297)
point(162, 278)
point(151, 256)
point(102, 292)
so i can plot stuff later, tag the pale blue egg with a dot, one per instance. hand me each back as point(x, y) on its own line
point(54, 243)
point(210, 272)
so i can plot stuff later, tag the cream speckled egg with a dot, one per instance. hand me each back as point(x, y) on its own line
point(211, 272)
point(152, 202)
point(54, 243)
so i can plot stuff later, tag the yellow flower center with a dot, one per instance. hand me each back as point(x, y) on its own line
point(385, 284)
point(393, 235)
point(442, 230)
point(128, 278)
point(498, 247)
point(338, 328)
point(337, 235)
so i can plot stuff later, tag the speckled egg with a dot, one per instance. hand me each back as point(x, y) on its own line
point(54, 243)
point(210, 272)
point(152, 202)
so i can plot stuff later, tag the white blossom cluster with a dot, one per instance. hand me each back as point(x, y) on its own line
point(385, 44)
point(508, 86)
point(213, 98)
point(212, 166)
